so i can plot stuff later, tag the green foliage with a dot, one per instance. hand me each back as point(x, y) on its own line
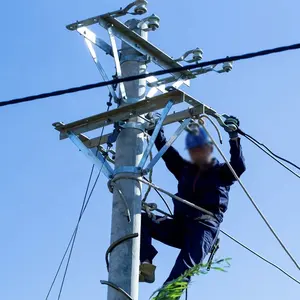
point(174, 289)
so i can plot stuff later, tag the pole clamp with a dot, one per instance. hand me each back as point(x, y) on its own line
point(141, 58)
point(127, 169)
point(134, 125)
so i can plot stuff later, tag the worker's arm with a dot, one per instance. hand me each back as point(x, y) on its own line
point(237, 162)
point(174, 162)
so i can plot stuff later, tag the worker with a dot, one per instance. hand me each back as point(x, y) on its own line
point(203, 181)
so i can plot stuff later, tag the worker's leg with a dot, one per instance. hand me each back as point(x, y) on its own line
point(167, 231)
point(198, 240)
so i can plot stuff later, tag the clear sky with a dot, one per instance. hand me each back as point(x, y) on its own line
point(43, 179)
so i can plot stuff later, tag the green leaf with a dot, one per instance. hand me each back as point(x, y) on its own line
point(175, 288)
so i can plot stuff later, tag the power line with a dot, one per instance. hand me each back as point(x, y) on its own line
point(75, 235)
point(82, 210)
point(156, 73)
point(260, 256)
point(240, 244)
point(270, 153)
point(263, 217)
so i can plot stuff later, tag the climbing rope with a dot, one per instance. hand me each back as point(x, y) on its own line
point(246, 191)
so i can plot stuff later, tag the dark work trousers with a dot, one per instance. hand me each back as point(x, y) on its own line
point(194, 239)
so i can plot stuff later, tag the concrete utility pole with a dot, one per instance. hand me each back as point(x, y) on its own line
point(124, 260)
point(130, 158)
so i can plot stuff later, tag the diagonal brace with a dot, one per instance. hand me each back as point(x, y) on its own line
point(91, 36)
point(155, 133)
point(100, 68)
point(95, 156)
point(168, 144)
point(117, 61)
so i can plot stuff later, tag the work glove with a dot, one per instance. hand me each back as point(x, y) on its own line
point(231, 120)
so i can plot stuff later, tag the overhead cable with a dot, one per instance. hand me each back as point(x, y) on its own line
point(156, 73)
point(250, 198)
point(84, 205)
point(222, 231)
point(270, 153)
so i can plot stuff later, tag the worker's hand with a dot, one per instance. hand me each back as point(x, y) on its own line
point(232, 121)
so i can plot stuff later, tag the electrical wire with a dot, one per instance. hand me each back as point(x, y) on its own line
point(261, 257)
point(161, 196)
point(240, 244)
point(85, 203)
point(270, 153)
point(252, 200)
point(83, 207)
point(156, 73)
point(75, 235)
point(82, 210)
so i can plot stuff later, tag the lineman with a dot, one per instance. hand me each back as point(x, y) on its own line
point(203, 181)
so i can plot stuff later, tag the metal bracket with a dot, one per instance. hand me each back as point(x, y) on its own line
point(135, 125)
point(197, 56)
point(141, 58)
point(154, 88)
point(141, 8)
point(155, 133)
point(127, 169)
point(114, 135)
point(99, 161)
point(91, 36)
point(135, 41)
point(167, 145)
point(180, 82)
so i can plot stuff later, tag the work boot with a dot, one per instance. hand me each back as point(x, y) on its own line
point(147, 273)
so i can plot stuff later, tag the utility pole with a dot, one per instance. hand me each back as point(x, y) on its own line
point(130, 158)
point(124, 260)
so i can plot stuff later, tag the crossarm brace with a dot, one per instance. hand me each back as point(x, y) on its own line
point(99, 161)
point(169, 143)
point(155, 133)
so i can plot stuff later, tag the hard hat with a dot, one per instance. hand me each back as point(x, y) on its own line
point(197, 138)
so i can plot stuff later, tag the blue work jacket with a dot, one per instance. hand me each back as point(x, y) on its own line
point(207, 188)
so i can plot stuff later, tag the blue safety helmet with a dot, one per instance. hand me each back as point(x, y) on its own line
point(197, 138)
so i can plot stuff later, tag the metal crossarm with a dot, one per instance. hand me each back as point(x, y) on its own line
point(155, 133)
point(172, 118)
point(99, 161)
point(140, 44)
point(122, 113)
point(169, 143)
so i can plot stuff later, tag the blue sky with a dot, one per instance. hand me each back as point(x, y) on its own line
point(43, 179)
